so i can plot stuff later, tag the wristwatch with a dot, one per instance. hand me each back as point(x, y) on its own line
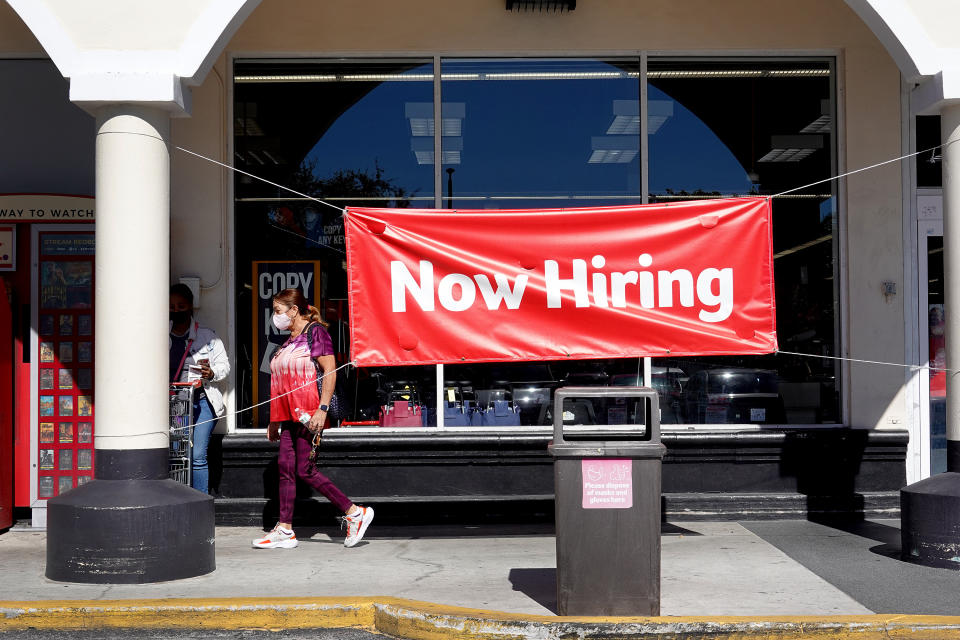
point(324, 407)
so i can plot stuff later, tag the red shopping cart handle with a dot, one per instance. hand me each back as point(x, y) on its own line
point(195, 383)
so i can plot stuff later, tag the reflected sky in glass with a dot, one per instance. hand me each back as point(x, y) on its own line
point(547, 128)
point(685, 154)
point(374, 132)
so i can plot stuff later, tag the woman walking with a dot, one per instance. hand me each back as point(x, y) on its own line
point(298, 411)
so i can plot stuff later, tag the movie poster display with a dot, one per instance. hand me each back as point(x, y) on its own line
point(64, 322)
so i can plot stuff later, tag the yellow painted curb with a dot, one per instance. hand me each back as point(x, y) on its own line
point(192, 613)
point(426, 621)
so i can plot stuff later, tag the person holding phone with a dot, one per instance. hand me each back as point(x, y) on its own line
point(196, 353)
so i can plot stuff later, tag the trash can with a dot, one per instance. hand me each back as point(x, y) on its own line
point(607, 458)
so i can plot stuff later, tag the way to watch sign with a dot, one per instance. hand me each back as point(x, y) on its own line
point(448, 286)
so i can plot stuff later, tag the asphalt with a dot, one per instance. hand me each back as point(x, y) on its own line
point(862, 559)
point(783, 574)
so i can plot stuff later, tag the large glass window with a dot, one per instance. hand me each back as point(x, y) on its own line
point(929, 164)
point(537, 133)
point(348, 133)
point(519, 133)
point(540, 133)
point(739, 127)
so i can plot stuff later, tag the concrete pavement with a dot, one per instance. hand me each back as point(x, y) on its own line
point(862, 559)
point(707, 569)
point(787, 570)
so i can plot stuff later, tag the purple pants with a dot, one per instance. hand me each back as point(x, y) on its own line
point(293, 459)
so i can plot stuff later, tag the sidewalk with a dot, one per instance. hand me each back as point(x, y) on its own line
point(781, 569)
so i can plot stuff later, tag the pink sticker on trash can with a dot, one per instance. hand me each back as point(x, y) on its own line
point(607, 484)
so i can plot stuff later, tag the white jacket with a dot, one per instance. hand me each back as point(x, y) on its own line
point(206, 345)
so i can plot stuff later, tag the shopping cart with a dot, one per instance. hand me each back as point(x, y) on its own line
point(181, 430)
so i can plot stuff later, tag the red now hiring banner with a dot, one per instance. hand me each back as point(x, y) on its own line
point(448, 286)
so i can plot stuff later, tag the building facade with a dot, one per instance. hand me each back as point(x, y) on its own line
point(540, 105)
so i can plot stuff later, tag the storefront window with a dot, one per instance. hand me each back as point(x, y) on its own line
point(929, 164)
point(344, 132)
point(527, 133)
point(540, 133)
point(728, 128)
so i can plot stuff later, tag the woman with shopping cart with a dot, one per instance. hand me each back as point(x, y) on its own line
point(298, 414)
point(197, 354)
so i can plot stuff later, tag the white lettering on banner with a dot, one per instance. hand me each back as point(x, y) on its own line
point(468, 292)
point(682, 277)
point(457, 291)
point(510, 297)
point(724, 277)
point(577, 284)
point(401, 280)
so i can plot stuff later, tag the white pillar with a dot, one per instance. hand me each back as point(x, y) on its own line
point(132, 523)
point(132, 277)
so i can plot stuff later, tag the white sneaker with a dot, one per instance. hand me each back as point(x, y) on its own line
point(357, 526)
point(277, 539)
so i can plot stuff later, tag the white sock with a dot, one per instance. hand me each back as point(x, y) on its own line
point(285, 532)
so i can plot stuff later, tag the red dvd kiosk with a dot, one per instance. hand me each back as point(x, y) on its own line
point(47, 352)
point(6, 405)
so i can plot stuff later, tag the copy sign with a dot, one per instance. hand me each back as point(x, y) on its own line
point(269, 279)
point(607, 484)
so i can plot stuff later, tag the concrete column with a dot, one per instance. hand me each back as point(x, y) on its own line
point(950, 135)
point(132, 282)
point(930, 509)
point(132, 523)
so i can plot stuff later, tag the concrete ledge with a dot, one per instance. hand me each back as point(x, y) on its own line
point(425, 621)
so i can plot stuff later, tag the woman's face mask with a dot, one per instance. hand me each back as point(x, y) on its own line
point(180, 310)
point(281, 320)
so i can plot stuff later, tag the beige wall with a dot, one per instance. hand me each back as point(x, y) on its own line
point(596, 25)
point(199, 243)
point(875, 243)
point(198, 229)
point(869, 100)
point(15, 38)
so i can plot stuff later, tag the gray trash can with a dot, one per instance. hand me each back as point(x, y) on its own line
point(607, 458)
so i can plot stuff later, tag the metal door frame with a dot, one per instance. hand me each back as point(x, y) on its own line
point(925, 229)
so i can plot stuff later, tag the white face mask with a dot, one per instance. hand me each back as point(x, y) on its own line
point(282, 321)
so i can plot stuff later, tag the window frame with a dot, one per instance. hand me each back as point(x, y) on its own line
point(833, 57)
